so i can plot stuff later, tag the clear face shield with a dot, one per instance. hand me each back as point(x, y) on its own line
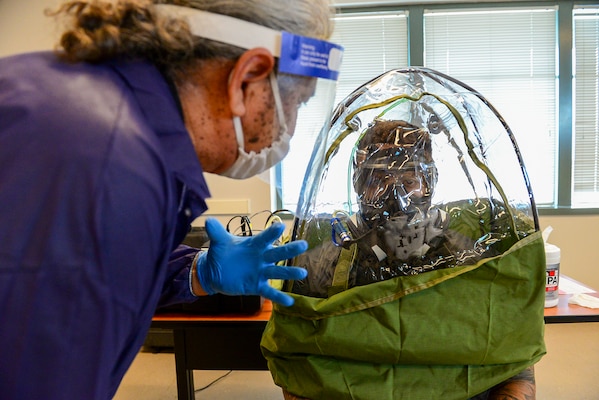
point(416, 172)
point(303, 85)
point(307, 74)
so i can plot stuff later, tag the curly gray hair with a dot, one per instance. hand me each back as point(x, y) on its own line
point(98, 30)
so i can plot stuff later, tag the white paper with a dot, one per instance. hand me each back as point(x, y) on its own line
point(568, 286)
point(585, 300)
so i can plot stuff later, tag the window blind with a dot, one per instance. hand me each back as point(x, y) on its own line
point(509, 56)
point(374, 43)
point(586, 107)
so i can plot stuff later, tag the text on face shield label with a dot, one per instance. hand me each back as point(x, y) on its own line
point(306, 56)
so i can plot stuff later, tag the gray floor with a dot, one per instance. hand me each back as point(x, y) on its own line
point(568, 372)
point(152, 377)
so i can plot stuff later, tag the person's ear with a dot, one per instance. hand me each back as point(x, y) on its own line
point(254, 65)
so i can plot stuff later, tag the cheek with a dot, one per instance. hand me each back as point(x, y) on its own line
point(261, 129)
point(258, 132)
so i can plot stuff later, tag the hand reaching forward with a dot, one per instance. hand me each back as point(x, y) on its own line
point(236, 265)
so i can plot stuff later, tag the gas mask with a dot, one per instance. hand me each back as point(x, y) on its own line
point(395, 176)
point(306, 77)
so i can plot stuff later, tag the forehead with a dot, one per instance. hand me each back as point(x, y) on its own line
point(392, 172)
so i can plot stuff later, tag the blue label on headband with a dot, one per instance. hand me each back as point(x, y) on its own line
point(301, 55)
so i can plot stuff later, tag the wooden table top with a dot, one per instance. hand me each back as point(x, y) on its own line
point(563, 312)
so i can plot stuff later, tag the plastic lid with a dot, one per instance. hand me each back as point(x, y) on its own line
point(552, 253)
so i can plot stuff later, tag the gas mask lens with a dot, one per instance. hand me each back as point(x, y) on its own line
point(410, 184)
point(378, 186)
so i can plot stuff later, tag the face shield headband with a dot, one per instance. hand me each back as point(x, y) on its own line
point(307, 70)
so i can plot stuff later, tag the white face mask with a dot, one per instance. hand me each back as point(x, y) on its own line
point(252, 163)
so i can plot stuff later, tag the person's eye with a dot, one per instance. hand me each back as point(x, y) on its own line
point(411, 185)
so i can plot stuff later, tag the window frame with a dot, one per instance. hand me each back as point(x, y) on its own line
point(565, 107)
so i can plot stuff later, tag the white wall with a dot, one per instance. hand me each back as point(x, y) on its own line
point(577, 236)
point(23, 27)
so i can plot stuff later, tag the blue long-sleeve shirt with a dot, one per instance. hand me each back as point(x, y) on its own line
point(99, 182)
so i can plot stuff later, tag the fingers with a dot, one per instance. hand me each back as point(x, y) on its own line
point(276, 296)
point(286, 251)
point(269, 235)
point(215, 231)
point(285, 273)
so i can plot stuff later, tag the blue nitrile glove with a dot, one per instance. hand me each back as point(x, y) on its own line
point(235, 265)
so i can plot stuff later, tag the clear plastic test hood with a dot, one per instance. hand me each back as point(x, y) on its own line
point(467, 161)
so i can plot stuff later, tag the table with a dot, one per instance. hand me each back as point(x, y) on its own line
point(214, 342)
point(232, 341)
point(568, 313)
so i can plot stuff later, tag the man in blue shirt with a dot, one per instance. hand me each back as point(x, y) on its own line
point(103, 146)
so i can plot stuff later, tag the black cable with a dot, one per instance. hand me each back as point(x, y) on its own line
point(245, 225)
point(213, 382)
